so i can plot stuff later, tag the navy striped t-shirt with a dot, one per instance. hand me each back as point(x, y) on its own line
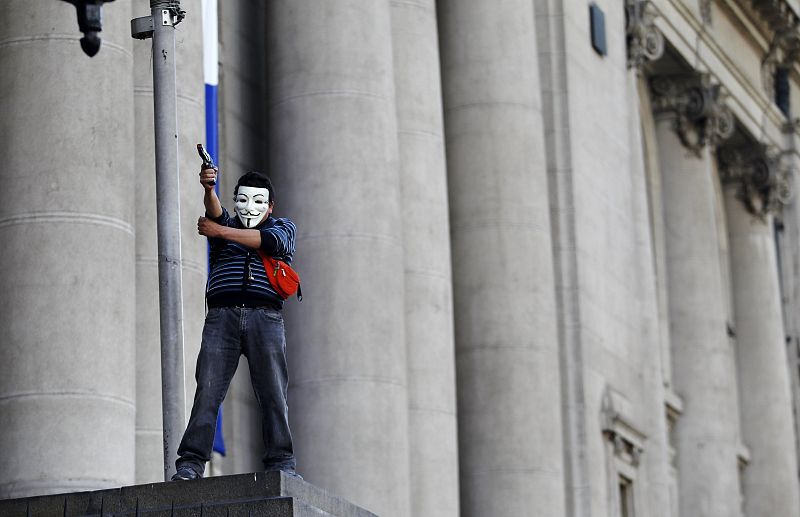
point(237, 276)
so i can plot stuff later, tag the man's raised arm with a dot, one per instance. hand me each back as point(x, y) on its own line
point(249, 238)
point(210, 200)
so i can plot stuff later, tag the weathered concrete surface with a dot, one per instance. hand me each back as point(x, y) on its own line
point(333, 154)
point(509, 450)
point(191, 131)
point(67, 309)
point(271, 494)
point(149, 435)
point(703, 364)
point(432, 435)
point(770, 479)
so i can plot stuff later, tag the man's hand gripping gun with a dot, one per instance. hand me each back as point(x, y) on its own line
point(208, 163)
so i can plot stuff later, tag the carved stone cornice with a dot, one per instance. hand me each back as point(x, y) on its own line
point(776, 14)
point(762, 183)
point(784, 52)
point(645, 41)
point(780, 25)
point(701, 116)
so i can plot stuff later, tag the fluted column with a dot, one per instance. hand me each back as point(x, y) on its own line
point(770, 479)
point(66, 362)
point(509, 416)
point(703, 364)
point(191, 131)
point(433, 446)
point(333, 157)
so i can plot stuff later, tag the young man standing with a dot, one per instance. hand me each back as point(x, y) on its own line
point(244, 317)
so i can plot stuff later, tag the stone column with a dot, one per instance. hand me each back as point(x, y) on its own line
point(688, 119)
point(191, 131)
point(149, 435)
point(66, 363)
point(333, 157)
point(790, 271)
point(770, 479)
point(655, 335)
point(509, 416)
point(426, 245)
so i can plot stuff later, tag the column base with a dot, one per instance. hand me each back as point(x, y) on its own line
point(261, 494)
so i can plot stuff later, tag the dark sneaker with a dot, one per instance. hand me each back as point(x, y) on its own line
point(185, 473)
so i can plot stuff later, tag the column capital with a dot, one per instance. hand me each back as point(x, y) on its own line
point(645, 41)
point(756, 171)
point(698, 104)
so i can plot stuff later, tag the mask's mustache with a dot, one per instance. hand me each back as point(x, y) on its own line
point(250, 213)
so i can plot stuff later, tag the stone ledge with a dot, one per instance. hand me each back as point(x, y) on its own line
point(270, 494)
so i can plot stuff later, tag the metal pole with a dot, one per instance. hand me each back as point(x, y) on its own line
point(170, 281)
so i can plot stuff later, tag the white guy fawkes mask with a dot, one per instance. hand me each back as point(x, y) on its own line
point(252, 205)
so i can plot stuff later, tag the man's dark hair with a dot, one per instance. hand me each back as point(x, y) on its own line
point(255, 179)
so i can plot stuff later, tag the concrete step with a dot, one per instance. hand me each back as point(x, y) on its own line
point(267, 494)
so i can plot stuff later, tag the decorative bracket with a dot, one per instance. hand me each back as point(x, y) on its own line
point(645, 41)
point(702, 118)
point(763, 184)
point(618, 428)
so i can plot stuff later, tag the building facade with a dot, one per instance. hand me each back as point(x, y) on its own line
point(550, 250)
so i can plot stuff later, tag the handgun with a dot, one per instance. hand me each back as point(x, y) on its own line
point(208, 163)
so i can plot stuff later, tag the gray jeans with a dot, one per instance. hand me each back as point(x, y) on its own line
point(228, 333)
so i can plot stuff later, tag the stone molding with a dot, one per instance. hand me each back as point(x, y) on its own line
point(618, 427)
point(698, 103)
point(762, 183)
point(673, 409)
point(645, 41)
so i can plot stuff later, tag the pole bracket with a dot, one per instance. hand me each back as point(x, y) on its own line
point(142, 28)
point(167, 19)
